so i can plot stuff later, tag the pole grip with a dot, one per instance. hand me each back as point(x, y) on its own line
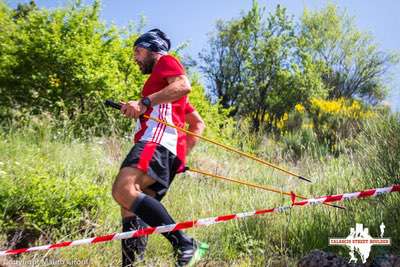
point(112, 104)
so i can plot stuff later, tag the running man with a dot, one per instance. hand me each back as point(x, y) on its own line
point(133, 249)
point(159, 151)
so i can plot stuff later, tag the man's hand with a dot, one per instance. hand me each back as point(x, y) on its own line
point(133, 109)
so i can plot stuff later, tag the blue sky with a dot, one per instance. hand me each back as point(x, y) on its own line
point(191, 21)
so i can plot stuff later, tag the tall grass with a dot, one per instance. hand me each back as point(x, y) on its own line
point(267, 240)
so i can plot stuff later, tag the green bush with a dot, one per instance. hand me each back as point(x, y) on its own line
point(301, 142)
point(61, 65)
point(65, 62)
point(326, 127)
point(46, 191)
point(379, 150)
point(338, 119)
point(218, 124)
point(47, 204)
point(379, 158)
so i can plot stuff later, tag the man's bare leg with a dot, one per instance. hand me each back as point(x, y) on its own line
point(128, 186)
point(133, 249)
point(127, 191)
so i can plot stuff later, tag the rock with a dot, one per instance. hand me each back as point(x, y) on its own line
point(386, 261)
point(318, 258)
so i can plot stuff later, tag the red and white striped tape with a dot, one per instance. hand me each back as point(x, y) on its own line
point(207, 221)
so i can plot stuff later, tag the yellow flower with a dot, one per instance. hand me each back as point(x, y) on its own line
point(54, 81)
point(299, 108)
point(282, 121)
point(341, 108)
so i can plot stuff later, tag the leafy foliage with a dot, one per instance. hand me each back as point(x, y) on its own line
point(351, 63)
point(218, 125)
point(325, 126)
point(262, 66)
point(44, 193)
point(256, 67)
point(379, 150)
point(64, 63)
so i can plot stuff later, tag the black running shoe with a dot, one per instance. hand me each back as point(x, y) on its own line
point(190, 255)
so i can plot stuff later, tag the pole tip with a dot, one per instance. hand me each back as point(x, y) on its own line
point(305, 179)
point(339, 207)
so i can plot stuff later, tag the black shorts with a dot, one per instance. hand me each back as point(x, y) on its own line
point(157, 162)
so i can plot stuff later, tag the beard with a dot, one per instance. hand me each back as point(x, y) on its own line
point(146, 67)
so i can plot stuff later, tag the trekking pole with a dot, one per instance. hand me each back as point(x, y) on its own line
point(291, 194)
point(115, 105)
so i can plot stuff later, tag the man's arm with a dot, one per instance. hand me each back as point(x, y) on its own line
point(177, 87)
point(197, 126)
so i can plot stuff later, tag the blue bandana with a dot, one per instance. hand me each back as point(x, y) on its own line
point(154, 40)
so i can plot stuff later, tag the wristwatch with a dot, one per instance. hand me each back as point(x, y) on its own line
point(146, 102)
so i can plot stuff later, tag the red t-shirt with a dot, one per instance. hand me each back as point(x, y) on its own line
point(189, 108)
point(173, 113)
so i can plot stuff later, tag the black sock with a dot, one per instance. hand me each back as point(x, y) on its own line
point(133, 248)
point(154, 214)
